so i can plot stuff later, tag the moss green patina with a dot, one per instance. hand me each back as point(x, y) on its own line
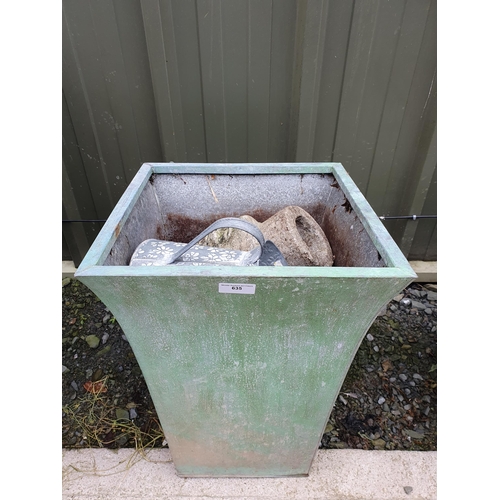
point(244, 383)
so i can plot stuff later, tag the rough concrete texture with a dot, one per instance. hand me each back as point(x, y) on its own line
point(298, 236)
point(93, 474)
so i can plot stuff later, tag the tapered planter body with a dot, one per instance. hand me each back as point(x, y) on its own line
point(244, 383)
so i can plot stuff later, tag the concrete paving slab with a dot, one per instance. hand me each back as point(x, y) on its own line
point(426, 271)
point(95, 474)
point(68, 269)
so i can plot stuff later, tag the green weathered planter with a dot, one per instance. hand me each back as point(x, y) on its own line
point(244, 384)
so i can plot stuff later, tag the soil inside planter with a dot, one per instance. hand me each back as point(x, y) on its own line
point(388, 399)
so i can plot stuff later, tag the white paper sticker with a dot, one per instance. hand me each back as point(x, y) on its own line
point(237, 288)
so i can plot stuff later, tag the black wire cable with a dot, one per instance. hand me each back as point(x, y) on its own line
point(382, 217)
point(411, 217)
point(86, 220)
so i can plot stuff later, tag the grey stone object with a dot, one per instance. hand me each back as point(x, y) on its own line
point(297, 235)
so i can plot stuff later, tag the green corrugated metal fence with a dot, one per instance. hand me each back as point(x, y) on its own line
point(251, 81)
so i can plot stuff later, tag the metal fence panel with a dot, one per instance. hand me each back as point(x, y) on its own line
point(251, 81)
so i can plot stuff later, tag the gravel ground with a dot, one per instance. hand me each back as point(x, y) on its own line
point(388, 399)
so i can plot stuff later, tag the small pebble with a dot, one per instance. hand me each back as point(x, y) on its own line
point(408, 489)
point(418, 305)
point(369, 337)
point(403, 377)
point(381, 400)
point(122, 414)
point(103, 351)
point(92, 341)
point(122, 439)
point(378, 443)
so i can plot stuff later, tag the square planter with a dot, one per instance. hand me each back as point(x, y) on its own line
point(244, 384)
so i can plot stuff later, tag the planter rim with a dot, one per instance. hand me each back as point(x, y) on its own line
point(397, 264)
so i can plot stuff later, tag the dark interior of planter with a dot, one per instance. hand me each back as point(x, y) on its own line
point(178, 207)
